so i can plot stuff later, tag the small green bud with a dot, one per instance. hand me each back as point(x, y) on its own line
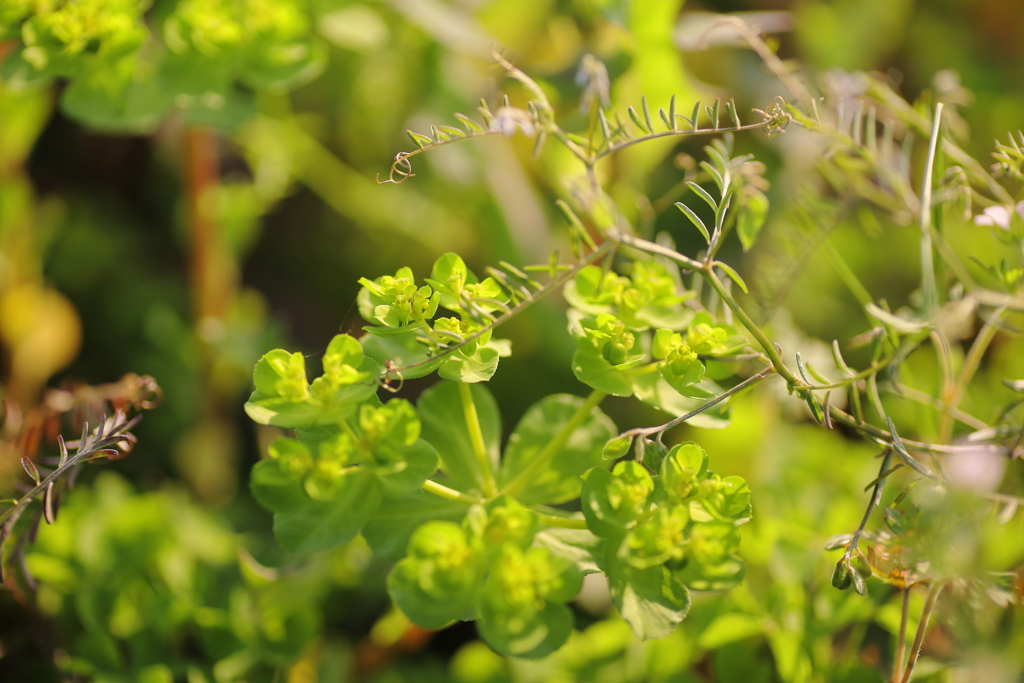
point(842, 575)
point(294, 457)
point(628, 490)
point(681, 368)
point(707, 338)
point(606, 336)
point(509, 523)
point(682, 468)
point(392, 425)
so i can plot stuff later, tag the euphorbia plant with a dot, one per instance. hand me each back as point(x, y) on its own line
point(482, 534)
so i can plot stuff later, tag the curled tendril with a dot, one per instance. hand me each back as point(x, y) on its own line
point(401, 167)
point(391, 370)
point(776, 118)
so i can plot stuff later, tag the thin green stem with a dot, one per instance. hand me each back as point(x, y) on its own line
point(544, 456)
point(476, 438)
point(646, 431)
point(901, 642)
point(929, 290)
point(654, 248)
point(454, 496)
point(876, 497)
point(863, 374)
point(612, 148)
point(971, 363)
point(741, 315)
point(562, 522)
point(846, 274)
point(922, 629)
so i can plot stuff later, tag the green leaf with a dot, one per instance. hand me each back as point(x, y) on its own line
point(323, 524)
point(712, 563)
point(403, 351)
point(731, 272)
point(437, 582)
point(394, 522)
point(444, 426)
point(418, 463)
point(652, 600)
point(543, 634)
point(731, 501)
point(579, 546)
point(284, 398)
point(613, 500)
point(597, 373)
point(752, 215)
point(559, 481)
point(275, 488)
point(653, 390)
point(898, 521)
point(617, 447)
point(695, 219)
point(681, 469)
point(727, 574)
point(279, 65)
point(113, 98)
point(449, 276)
point(478, 367)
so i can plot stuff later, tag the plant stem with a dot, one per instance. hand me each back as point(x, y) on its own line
point(876, 497)
point(644, 431)
point(431, 486)
point(971, 363)
point(769, 348)
point(476, 438)
point(562, 522)
point(929, 289)
point(846, 274)
point(551, 449)
point(922, 628)
point(901, 642)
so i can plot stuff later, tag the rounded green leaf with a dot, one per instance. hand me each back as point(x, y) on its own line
point(652, 600)
point(275, 488)
point(479, 366)
point(544, 424)
point(416, 464)
point(436, 583)
point(540, 634)
point(323, 524)
point(613, 500)
point(598, 373)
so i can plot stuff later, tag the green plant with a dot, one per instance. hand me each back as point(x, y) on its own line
point(478, 536)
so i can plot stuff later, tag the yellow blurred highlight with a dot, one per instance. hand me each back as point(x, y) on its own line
point(42, 333)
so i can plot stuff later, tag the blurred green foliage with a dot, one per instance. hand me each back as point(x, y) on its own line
point(177, 577)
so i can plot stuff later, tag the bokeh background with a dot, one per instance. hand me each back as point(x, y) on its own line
point(188, 252)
